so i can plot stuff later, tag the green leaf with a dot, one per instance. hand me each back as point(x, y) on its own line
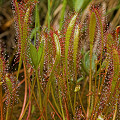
point(87, 61)
point(25, 31)
point(33, 55)
point(81, 4)
point(62, 14)
point(40, 51)
point(75, 45)
point(85, 4)
point(92, 26)
point(9, 83)
point(68, 35)
point(33, 33)
point(37, 24)
point(78, 4)
point(33, 108)
point(116, 69)
point(80, 79)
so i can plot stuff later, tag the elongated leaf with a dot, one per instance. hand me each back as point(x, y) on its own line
point(37, 24)
point(67, 39)
point(33, 55)
point(25, 31)
point(75, 45)
point(19, 20)
point(109, 43)
point(20, 36)
point(57, 43)
point(40, 51)
point(87, 61)
point(9, 83)
point(42, 57)
point(62, 13)
point(58, 53)
point(105, 63)
point(57, 58)
point(33, 32)
point(68, 35)
point(92, 26)
point(116, 69)
point(81, 4)
point(78, 4)
point(80, 79)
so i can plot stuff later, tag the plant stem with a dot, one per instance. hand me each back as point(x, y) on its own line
point(25, 96)
point(39, 91)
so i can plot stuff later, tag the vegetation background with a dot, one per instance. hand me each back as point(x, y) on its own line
point(70, 95)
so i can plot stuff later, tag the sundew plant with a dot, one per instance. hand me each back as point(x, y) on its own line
point(70, 73)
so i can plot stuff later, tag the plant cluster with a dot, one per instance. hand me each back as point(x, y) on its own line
point(70, 73)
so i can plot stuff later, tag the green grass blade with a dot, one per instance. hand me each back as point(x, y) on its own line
point(62, 14)
point(37, 24)
point(55, 102)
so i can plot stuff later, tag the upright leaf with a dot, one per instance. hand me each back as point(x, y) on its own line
point(116, 69)
point(40, 51)
point(75, 44)
point(68, 35)
point(37, 23)
point(78, 4)
point(75, 48)
point(25, 31)
point(92, 27)
point(62, 13)
point(9, 83)
point(33, 55)
point(81, 4)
